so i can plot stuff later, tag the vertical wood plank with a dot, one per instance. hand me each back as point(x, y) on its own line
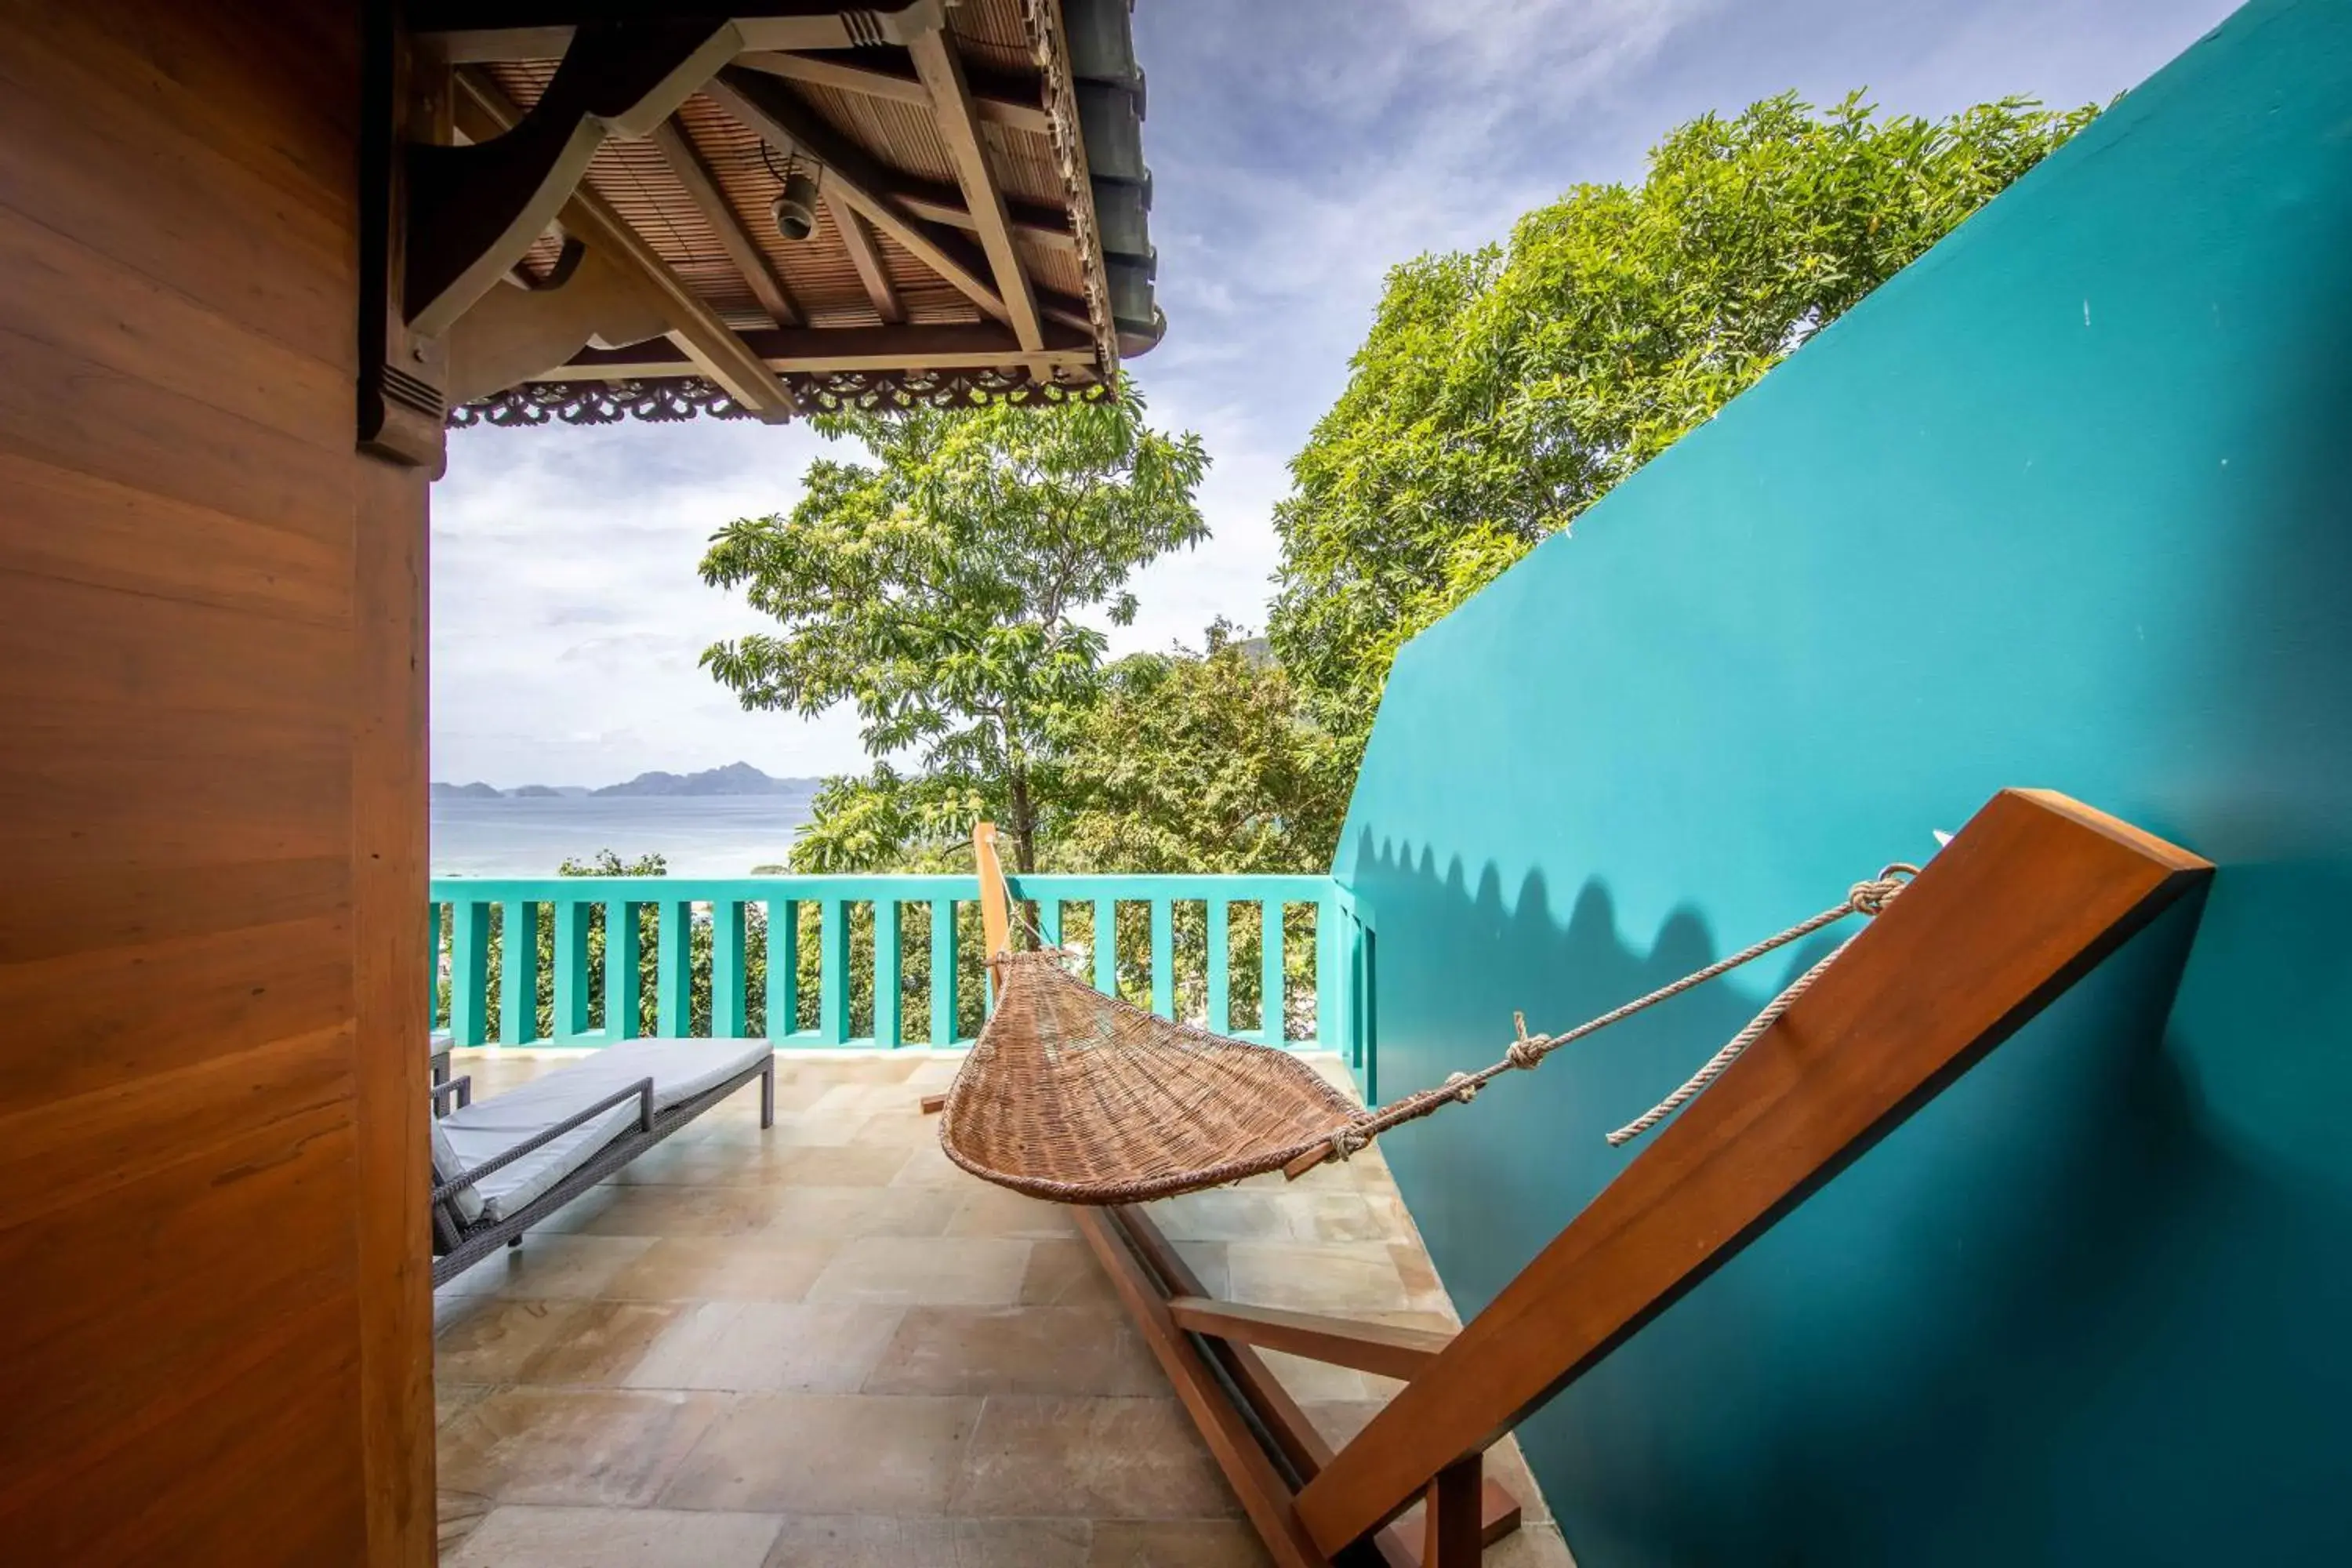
point(1221, 981)
point(729, 1003)
point(571, 1019)
point(674, 968)
point(889, 1030)
point(784, 967)
point(389, 838)
point(1273, 1031)
point(1163, 957)
point(833, 973)
point(944, 957)
point(469, 972)
point(624, 977)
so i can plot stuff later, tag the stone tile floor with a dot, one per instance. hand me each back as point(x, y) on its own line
point(823, 1344)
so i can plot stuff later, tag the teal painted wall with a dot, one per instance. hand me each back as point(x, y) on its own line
point(2068, 503)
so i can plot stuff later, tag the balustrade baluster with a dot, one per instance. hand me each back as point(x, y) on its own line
point(888, 1029)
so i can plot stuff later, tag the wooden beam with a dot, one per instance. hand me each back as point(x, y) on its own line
point(941, 69)
point(483, 112)
point(816, 350)
point(678, 151)
point(999, 100)
point(473, 211)
point(853, 178)
point(1377, 1348)
point(481, 32)
point(1033, 222)
point(1270, 1406)
point(1451, 1532)
point(866, 258)
point(2034, 891)
point(996, 910)
point(1264, 1495)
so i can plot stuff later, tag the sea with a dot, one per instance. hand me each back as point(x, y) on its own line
point(700, 835)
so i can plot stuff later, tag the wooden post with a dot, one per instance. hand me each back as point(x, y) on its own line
point(995, 903)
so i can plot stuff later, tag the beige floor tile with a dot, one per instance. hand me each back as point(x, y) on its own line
point(1225, 1214)
point(660, 1211)
point(821, 1214)
point(521, 1537)
point(1065, 1273)
point(450, 1398)
point(1016, 1350)
point(552, 1267)
point(1531, 1546)
point(903, 1271)
point(761, 1266)
point(987, 1210)
point(489, 1339)
point(708, 1163)
point(772, 1347)
point(1208, 1260)
point(842, 1165)
point(1102, 1458)
point(826, 1453)
point(589, 1446)
point(1024, 1543)
point(1177, 1544)
point(456, 1516)
point(1332, 1277)
point(863, 1541)
point(606, 1342)
point(1424, 1292)
point(903, 1128)
point(929, 1166)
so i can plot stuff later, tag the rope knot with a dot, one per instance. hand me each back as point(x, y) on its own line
point(1870, 897)
point(1527, 1051)
point(1468, 1091)
point(1344, 1143)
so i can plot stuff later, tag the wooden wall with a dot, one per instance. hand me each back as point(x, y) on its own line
point(214, 1308)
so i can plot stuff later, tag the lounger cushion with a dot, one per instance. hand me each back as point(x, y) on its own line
point(448, 1167)
point(680, 1068)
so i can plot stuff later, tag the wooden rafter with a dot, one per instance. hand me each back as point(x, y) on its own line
point(867, 257)
point(484, 112)
point(678, 151)
point(1033, 223)
point(853, 179)
point(999, 100)
point(942, 70)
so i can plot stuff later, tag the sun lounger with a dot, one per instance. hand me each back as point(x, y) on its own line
point(504, 1164)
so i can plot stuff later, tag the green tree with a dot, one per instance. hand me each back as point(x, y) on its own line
point(1198, 763)
point(1501, 392)
point(944, 591)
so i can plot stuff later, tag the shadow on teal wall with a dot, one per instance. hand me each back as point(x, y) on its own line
point(2068, 503)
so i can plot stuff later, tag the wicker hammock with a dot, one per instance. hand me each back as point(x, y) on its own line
point(1075, 1096)
point(1084, 1098)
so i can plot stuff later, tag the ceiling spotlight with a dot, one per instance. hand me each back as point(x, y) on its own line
point(795, 210)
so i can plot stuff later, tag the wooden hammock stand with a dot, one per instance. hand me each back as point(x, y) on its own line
point(2029, 898)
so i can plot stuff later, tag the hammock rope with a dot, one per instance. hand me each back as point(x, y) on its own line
point(1080, 1096)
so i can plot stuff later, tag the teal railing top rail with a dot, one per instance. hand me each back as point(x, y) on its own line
point(852, 960)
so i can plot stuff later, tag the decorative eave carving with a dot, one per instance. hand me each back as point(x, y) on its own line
point(1051, 51)
point(669, 399)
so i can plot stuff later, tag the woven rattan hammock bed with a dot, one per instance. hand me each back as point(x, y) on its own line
point(1076, 1095)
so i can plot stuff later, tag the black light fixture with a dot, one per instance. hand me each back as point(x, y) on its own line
point(794, 209)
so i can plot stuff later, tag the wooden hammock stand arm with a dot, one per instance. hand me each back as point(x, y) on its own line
point(2029, 898)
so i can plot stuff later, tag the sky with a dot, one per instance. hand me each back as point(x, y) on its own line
point(1299, 150)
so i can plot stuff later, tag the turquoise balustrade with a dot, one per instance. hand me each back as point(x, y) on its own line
point(1320, 1005)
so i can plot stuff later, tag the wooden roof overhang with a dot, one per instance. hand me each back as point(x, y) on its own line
point(574, 200)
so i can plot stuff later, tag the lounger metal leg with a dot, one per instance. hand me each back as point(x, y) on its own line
point(768, 1093)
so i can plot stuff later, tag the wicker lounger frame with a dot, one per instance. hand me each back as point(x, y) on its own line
point(459, 1246)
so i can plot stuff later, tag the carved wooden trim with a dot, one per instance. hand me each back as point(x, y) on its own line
point(664, 399)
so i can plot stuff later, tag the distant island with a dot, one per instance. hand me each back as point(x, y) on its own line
point(735, 778)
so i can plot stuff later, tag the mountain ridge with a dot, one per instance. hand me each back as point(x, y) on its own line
point(733, 779)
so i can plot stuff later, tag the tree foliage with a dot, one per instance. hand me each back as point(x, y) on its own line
point(1502, 391)
point(943, 590)
point(1199, 763)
